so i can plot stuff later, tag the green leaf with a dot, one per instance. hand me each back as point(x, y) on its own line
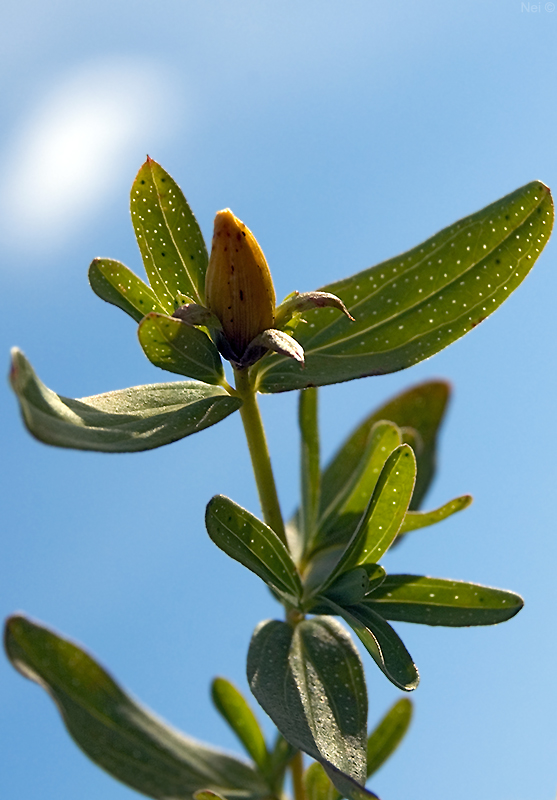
point(169, 238)
point(436, 601)
point(384, 740)
point(207, 794)
point(383, 517)
point(236, 711)
point(114, 731)
point(317, 784)
point(172, 345)
point(410, 307)
point(124, 421)
point(420, 408)
point(116, 284)
point(248, 540)
point(342, 510)
point(421, 519)
point(310, 467)
point(382, 643)
point(310, 681)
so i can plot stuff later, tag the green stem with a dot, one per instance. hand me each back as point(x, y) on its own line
point(297, 770)
point(259, 452)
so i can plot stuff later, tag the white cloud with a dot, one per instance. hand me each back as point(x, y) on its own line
point(71, 152)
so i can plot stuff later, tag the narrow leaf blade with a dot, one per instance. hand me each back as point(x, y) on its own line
point(114, 731)
point(170, 344)
point(123, 421)
point(235, 709)
point(422, 519)
point(248, 540)
point(169, 238)
point(382, 643)
point(386, 737)
point(410, 307)
point(436, 601)
point(116, 284)
point(342, 512)
point(420, 408)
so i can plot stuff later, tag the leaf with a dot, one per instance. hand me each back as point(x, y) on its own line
point(421, 519)
point(310, 467)
point(248, 540)
point(436, 601)
point(114, 731)
point(344, 510)
point(169, 238)
point(382, 643)
point(410, 307)
point(123, 421)
point(317, 784)
point(172, 345)
point(206, 794)
point(381, 521)
point(115, 283)
point(236, 711)
point(421, 408)
point(384, 740)
point(310, 681)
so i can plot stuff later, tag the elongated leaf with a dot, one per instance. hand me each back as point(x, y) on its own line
point(310, 681)
point(310, 466)
point(169, 238)
point(421, 519)
point(343, 512)
point(248, 540)
point(116, 284)
point(435, 601)
point(124, 421)
point(114, 731)
point(317, 784)
point(383, 741)
point(410, 307)
point(382, 643)
point(172, 345)
point(235, 709)
point(206, 794)
point(421, 408)
point(382, 518)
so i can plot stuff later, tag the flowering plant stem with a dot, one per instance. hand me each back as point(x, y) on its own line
point(259, 452)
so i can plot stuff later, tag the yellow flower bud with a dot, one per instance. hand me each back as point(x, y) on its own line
point(238, 287)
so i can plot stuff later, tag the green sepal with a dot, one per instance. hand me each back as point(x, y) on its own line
point(123, 421)
point(169, 238)
point(342, 511)
point(248, 540)
point(382, 643)
point(116, 284)
point(116, 732)
point(310, 681)
point(386, 737)
point(235, 709)
point(422, 519)
point(177, 347)
point(436, 601)
point(410, 307)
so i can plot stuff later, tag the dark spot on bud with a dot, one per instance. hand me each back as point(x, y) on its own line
point(241, 295)
point(163, 254)
point(244, 234)
point(142, 181)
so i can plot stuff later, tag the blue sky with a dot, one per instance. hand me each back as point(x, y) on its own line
point(342, 134)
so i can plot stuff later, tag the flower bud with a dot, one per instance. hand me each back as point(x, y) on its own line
point(238, 286)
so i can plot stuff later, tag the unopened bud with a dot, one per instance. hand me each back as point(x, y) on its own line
point(238, 287)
